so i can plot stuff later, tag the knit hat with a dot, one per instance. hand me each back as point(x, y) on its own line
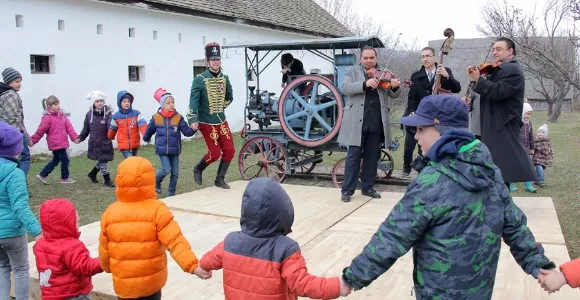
point(544, 128)
point(10, 140)
point(527, 108)
point(161, 95)
point(9, 75)
point(96, 95)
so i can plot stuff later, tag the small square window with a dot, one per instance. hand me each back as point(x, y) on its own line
point(100, 29)
point(132, 32)
point(224, 42)
point(136, 73)
point(41, 64)
point(203, 40)
point(19, 21)
point(155, 34)
point(61, 25)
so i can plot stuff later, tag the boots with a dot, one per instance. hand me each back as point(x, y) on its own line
point(513, 187)
point(198, 169)
point(529, 187)
point(93, 175)
point(108, 181)
point(221, 175)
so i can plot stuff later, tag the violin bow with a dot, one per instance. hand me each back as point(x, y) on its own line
point(391, 56)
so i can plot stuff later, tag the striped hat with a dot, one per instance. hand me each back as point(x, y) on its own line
point(9, 75)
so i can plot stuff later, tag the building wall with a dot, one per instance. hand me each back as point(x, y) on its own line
point(86, 61)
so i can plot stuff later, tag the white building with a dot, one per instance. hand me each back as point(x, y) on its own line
point(68, 48)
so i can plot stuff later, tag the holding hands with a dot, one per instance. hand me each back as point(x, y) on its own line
point(194, 126)
point(77, 141)
point(551, 280)
point(201, 273)
point(345, 289)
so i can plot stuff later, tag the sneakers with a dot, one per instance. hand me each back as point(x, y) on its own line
point(42, 179)
point(68, 181)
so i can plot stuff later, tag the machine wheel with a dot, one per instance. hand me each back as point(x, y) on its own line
point(338, 173)
point(301, 155)
point(384, 169)
point(263, 156)
point(327, 116)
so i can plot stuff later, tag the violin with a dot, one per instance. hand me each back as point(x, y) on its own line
point(384, 78)
point(487, 67)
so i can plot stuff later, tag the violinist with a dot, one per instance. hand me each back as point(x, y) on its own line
point(366, 123)
point(422, 85)
point(501, 104)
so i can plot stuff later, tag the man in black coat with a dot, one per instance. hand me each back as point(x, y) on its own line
point(422, 86)
point(501, 105)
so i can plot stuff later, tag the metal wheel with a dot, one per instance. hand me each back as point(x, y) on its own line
point(338, 173)
point(263, 156)
point(386, 165)
point(300, 155)
point(320, 111)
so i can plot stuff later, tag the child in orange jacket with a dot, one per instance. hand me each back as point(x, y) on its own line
point(128, 125)
point(136, 231)
point(553, 280)
point(260, 262)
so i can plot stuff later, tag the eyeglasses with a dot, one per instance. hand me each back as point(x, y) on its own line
point(426, 56)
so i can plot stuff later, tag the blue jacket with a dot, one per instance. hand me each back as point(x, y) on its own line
point(16, 218)
point(454, 216)
point(167, 132)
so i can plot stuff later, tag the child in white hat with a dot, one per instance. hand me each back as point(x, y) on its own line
point(527, 137)
point(543, 154)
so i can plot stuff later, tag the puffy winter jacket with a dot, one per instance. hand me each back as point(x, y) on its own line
point(571, 271)
point(96, 127)
point(64, 264)
point(137, 230)
point(167, 132)
point(261, 262)
point(16, 218)
point(57, 127)
point(127, 125)
point(454, 216)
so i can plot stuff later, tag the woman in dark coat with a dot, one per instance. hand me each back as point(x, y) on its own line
point(96, 124)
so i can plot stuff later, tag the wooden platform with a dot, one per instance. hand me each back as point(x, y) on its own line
point(331, 233)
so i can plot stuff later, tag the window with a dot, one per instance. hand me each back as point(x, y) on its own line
point(61, 25)
point(41, 64)
point(204, 40)
point(99, 28)
point(136, 73)
point(198, 70)
point(19, 21)
point(154, 34)
point(179, 37)
point(132, 32)
point(198, 66)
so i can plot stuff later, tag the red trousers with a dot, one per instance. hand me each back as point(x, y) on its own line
point(219, 142)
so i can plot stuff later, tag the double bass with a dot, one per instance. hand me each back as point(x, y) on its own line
point(445, 49)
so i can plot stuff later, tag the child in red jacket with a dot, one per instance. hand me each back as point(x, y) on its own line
point(553, 280)
point(260, 262)
point(64, 264)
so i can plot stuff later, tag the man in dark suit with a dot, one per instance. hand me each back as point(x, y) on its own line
point(422, 86)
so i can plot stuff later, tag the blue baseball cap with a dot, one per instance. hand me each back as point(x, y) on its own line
point(444, 110)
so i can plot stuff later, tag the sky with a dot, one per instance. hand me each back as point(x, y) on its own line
point(426, 19)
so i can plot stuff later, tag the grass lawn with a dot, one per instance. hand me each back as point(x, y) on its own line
point(563, 178)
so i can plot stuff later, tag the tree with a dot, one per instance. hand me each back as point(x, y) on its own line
point(544, 48)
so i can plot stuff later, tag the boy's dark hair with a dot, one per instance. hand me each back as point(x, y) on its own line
point(510, 43)
point(430, 49)
point(49, 101)
point(286, 59)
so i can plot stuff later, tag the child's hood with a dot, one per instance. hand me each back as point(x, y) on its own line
point(472, 168)
point(7, 166)
point(267, 210)
point(58, 219)
point(120, 96)
point(135, 180)
point(4, 87)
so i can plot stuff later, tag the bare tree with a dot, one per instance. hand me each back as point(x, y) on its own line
point(544, 47)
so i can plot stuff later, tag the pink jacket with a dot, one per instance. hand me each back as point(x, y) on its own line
point(57, 127)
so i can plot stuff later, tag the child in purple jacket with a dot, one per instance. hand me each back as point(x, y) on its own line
point(57, 128)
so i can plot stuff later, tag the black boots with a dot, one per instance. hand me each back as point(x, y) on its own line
point(93, 175)
point(108, 181)
point(221, 175)
point(198, 169)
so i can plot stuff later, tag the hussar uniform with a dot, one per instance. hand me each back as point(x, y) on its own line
point(211, 93)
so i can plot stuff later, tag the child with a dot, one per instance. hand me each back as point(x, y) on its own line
point(454, 215)
point(260, 262)
point(168, 125)
point(554, 280)
point(527, 138)
point(16, 217)
point(136, 231)
point(543, 155)
point(129, 124)
point(57, 127)
point(97, 122)
point(64, 264)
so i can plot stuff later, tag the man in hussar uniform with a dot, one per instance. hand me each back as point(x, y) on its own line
point(211, 93)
